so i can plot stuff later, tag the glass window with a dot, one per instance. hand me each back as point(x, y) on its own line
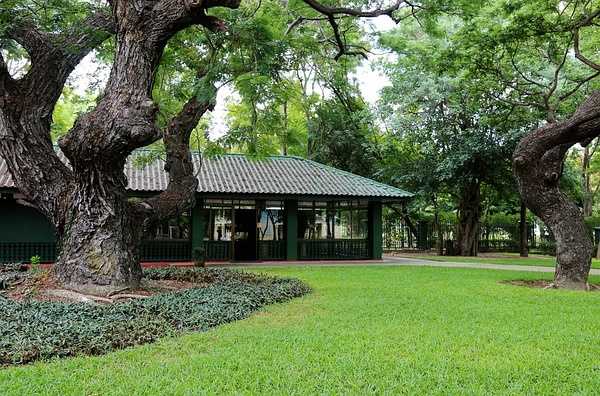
point(220, 221)
point(270, 222)
point(178, 229)
point(360, 223)
point(316, 220)
point(343, 223)
point(306, 222)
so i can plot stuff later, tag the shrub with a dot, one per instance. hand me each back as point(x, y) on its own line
point(40, 330)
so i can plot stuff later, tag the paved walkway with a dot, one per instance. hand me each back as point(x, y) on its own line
point(401, 261)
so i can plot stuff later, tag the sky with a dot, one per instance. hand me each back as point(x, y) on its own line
point(370, 81)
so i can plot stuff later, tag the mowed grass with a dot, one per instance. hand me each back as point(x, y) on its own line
point(507, 259)
point(364, 330)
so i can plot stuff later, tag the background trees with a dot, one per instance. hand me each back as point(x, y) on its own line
point(462, 133)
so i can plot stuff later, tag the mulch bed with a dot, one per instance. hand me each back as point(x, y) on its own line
point(40, 285)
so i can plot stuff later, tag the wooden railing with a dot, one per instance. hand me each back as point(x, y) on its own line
point(166, 250)
point(333, 249)
point(13, 252)
point(271, 250)
point(155, 250)
point(217, 250)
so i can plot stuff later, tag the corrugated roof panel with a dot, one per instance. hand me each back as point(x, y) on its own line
point(285, 175)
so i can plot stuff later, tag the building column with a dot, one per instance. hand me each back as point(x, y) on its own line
point(291, 230)
point(375, 230)
point(198, 224)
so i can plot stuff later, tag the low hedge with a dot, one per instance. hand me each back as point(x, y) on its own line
point(40, 330)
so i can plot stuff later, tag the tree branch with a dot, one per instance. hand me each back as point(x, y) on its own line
point(54, 56)
point(180, 193)
point(582, 126)
point(579, 55)
point(333, 11)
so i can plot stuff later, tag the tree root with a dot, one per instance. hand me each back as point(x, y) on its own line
point(90, 298)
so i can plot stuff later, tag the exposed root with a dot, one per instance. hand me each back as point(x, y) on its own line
point(551, 285)
point(127, 296)
point(76, 296)
point(117, 291)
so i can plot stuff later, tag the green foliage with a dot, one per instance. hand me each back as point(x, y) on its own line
point(35, 263)
point(41, 330)
point(70, 106)
point(445, 131)
point(341, 134)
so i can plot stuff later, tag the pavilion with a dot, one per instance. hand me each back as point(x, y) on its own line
point(276, 208)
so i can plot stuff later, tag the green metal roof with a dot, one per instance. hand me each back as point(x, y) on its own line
point(239, 174)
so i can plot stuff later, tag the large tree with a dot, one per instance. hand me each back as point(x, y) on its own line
point(537, 49)
point(98, 227)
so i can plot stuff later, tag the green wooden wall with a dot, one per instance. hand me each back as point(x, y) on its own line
point(20, 223)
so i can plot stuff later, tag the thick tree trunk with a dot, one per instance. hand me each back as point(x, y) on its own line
point(99, 245)
point(469, 212)
point(523, 246)
point(537, 164)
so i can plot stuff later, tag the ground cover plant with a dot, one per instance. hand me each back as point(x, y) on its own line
point(32, 330)
point(362, 330)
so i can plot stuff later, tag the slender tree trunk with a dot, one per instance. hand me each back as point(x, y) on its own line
point(469, 213)
point(523, 247)
point(285, 138)
point(588, 196)
point(438, 227)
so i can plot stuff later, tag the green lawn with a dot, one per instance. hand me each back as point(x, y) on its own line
point(369, 329)
point(512, 259)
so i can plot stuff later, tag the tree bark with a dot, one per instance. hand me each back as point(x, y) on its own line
point(523, 242)
point(99, 245)
point(469, 213)
point(537, 164)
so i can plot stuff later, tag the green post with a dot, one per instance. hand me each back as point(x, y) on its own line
point(291, 230)
point(422, 235)
point(375, 230)
point(198, 220)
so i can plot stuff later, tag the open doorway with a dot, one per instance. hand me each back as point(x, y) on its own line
point(245, 235)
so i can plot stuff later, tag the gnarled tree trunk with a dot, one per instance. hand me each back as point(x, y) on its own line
point(538, 164)
point(101, 236)
point(469, 212)
point(98, 227)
